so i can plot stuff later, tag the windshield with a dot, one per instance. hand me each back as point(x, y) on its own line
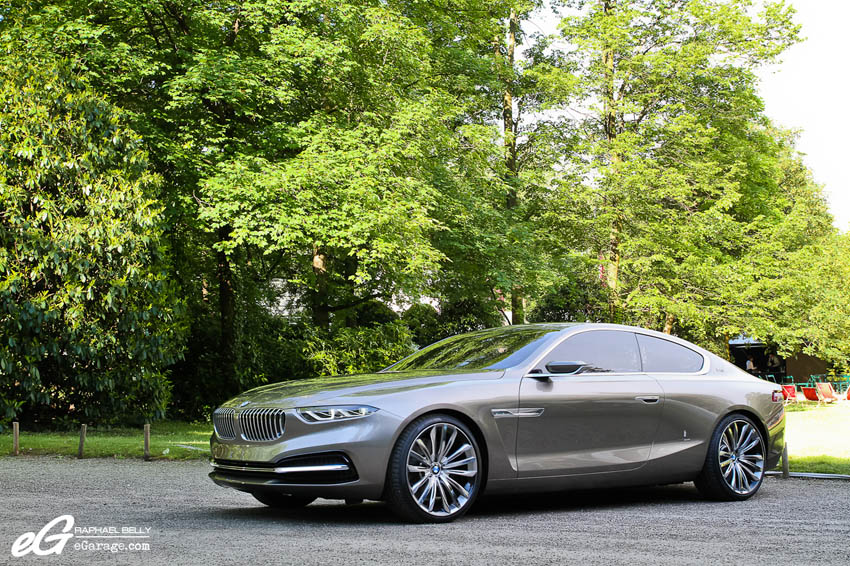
point(499, 348)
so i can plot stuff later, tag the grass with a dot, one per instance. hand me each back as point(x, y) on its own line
point(818, 437)
point(819, 464)
point(169, 440)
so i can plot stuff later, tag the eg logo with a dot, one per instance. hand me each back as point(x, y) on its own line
point(31, 542)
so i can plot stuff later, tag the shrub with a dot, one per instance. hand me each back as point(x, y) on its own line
point(358, 350)
point(87, 314)
point(424, 324)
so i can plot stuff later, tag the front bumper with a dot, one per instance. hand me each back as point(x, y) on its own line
point(335, 460)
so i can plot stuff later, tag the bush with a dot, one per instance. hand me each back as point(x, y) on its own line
point(424, 324)
point(468, 314)
point(371, 313)
point(358, 350)
point(87, 314)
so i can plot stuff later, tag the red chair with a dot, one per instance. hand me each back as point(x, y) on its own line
point(826, 392)
point(848, 393)
point(810, 393)
point(790, 393)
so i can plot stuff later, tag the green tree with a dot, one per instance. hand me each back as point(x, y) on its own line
point(496, 243)
point(674, 152)
point(308, 149)
point(88, 318)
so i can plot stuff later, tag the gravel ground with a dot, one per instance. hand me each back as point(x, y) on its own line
point(193, 521)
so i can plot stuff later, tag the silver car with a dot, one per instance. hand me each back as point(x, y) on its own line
point(530, 408)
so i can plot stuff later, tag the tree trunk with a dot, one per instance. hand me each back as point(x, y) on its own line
point(610, 125)
point(517, 306)
point(319, 299)
point(511, 162)
point(668, 323)
point(227, 310)
point(613, 276)
point(508, 111)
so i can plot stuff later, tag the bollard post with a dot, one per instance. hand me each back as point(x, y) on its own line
point(147, 442)
point(785, 471)
point(16, 437)
point(82, 441)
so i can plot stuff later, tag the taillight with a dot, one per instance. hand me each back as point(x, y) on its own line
point(778, 397)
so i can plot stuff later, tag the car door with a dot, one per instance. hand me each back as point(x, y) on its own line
point(691, 398)
point(601, 419)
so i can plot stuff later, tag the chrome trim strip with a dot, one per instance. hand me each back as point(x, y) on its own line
point(284, 469)
point(517, 413)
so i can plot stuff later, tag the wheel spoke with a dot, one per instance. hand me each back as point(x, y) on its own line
point(464, 473)
point(746, 435)
point(428, 486)
point(418, 469)
point(457, 453)
point(446, 445)
point(433, 498)
point(742, 479)
point(749, 471)
point(750, 467)
point(443, 497)
point(420, 457)
point(750, 446)
point(415, 487)
point(457, 486)
point(459, 463)
point(421, 444)
point(448, 489)
point(433, 451)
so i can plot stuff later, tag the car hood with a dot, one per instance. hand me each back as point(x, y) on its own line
point(309, 392)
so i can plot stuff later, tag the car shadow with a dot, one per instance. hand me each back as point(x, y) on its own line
point(594, 499)
point(324, 512)
point(491, 506)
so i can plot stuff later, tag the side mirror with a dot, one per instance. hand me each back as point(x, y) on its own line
point(565, 367)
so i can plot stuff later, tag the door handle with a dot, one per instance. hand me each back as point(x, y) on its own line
point(648, 399)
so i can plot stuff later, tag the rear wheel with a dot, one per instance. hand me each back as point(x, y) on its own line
point(435, 470)
point(282, 500)
point(734, 465)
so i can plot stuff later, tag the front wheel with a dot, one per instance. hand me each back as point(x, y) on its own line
point(734, 465)
point(435, 470)
point(282, 500)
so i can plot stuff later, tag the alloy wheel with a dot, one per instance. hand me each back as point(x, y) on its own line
point(442, 469)
point(741, 457)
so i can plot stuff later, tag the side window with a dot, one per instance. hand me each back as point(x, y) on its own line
point(664, 356)
point(605, 351)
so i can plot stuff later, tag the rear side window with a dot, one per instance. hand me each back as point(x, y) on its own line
point(661, 355)
point(605, 351)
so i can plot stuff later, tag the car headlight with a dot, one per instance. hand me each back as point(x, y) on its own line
point(334, 413)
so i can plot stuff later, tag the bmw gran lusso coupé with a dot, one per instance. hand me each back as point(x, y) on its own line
point(538, 407)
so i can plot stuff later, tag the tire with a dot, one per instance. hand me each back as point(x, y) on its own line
point(435, 471)
point(282, 500)
point(734, 466)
